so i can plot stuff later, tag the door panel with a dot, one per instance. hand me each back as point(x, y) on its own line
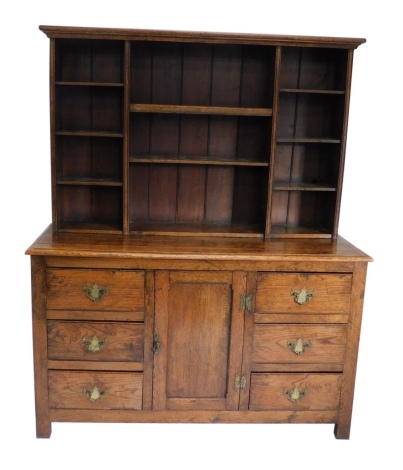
point(197, 318)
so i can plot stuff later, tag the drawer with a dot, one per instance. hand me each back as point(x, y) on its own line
point(95, 390)
point(295, 392)
point(301, 344)
point(85, 289)
point(303, 293)
point(96, 341)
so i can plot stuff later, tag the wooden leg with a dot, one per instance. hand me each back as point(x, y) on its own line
point(38, 273)
point(342, 432)
point(342, 428)
point(43, 429)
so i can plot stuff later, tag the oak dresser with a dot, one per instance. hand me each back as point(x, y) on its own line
point(193, 270)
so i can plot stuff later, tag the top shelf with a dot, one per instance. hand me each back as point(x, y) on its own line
point(216, 110)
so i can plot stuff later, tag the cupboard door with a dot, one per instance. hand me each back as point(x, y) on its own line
point(198, 340)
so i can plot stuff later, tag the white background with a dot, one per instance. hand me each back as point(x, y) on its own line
point(370, 218)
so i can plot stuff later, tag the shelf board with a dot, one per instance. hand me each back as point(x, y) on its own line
point(307, 140)
point(282, 231)
point(89, 181)
point(204, 230)
point(286, 186)
point(90, 133)
point(91, 84)
point(182, 109)
point(158, 159)
point(88, 227)
point(312, 91)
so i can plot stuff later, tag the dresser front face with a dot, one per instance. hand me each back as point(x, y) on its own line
point(189, 345)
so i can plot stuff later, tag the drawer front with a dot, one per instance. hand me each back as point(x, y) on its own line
point(95, 390)
point(303, 293)
point(295, 392)
point(85, 289)
point(96, 341)
point(299, 344)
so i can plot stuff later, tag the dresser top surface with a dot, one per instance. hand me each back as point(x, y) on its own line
point(196, 248)
point(75, 32)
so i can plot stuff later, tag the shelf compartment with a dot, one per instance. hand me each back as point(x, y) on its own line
point(93, 109)
point(89, 208)
point(223, 75)
point(217, 198)
point(302, 213)
point(313, 68)
point(209, 110)
point(315, 164)
point(81, 156)
point(94, 61)
point(229, 138)
point(310, 116)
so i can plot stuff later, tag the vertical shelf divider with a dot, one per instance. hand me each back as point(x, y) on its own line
point(126, 133)
point(52, 79)
point(273, 141)
point(349, 71)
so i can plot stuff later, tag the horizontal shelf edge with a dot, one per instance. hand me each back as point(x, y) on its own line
point(88, 182)
point(90, 133)
point(91, 84)
point(196, 161)
point(205, 230)
point(307, 140)
point(302, 187)
point(312, 91)
point(216, 110)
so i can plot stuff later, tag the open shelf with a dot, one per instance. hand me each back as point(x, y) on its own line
point(206, 136)
point(236, 138)
point(89, 61)
point(206, 198)
point(89, 206)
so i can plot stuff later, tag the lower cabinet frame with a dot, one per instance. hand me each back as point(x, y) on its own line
point(152, 412)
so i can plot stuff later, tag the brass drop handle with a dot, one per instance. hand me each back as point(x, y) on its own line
point(95, 394)
point(295, 394)
point(299, 347)
point(95, 293)
point(94, 344)
point(302, 297)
